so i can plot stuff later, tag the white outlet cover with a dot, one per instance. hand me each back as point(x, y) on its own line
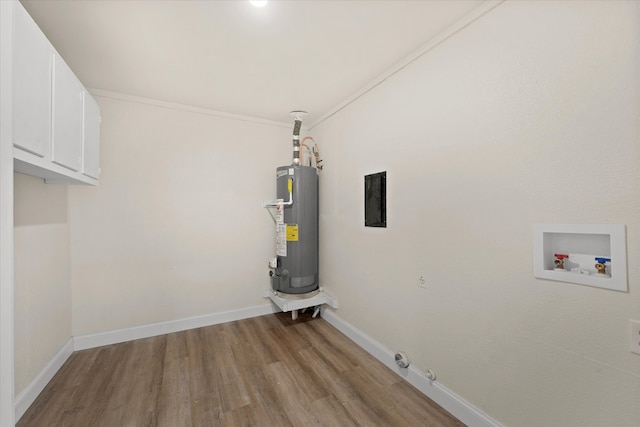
point(634, 336)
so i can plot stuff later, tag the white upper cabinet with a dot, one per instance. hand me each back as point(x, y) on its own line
point(91, 137)
point(56, 122)
point(66, 146)
point(32, 56)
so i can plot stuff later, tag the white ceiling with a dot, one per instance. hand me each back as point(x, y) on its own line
point(231, 57)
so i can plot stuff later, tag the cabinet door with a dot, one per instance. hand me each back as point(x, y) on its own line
point(66, 147)
point(32, 56)
point(91, 137)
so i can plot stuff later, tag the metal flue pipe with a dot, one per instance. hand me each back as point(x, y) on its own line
point(298, 116)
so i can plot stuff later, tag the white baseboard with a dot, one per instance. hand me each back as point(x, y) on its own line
point(84, 342)
point(454, 404)
point(29, 394)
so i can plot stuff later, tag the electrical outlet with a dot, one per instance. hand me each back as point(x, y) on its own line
point(422, 281)
point(634, 334)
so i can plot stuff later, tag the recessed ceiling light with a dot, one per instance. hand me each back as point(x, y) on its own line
point(258, 3)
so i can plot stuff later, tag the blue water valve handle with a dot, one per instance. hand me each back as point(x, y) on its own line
point(603, 260)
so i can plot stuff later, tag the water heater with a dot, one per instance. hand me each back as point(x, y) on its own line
point(294, 270)
point(296, 262)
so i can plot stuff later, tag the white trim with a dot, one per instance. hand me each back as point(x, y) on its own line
point(458, 26)
point(29, 394)
point(7, 389)
point(461, 24)
point(84, 342)
point(454, 404)
point(182, 107)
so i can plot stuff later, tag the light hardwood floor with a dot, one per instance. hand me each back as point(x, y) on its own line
point(265, 371)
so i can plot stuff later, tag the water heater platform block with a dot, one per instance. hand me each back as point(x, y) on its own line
point(290, 304)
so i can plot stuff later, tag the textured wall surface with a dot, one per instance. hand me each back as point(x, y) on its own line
point(42, 276)
point(176, 228)
point(528, 115)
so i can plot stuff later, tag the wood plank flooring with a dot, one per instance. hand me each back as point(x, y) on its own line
point(265, 371)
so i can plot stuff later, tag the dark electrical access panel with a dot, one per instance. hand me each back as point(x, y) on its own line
point(375, 200)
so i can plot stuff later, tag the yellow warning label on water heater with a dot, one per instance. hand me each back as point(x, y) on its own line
point(292, 232)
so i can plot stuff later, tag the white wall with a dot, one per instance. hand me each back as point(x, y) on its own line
point(42, 276)
point(528, 115)
point(176, 228)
